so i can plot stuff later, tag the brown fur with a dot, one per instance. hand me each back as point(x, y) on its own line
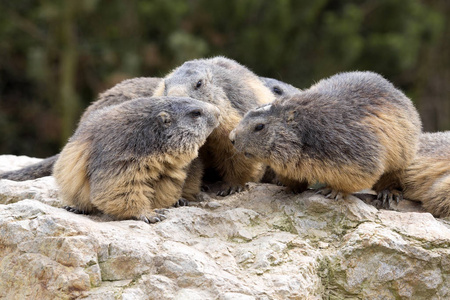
point(234, 89)
point(70, 172)
point(193, 182)
point(129, 159)
point(352, 131)
point(427, 178)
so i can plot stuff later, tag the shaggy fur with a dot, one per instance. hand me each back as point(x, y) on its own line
point(122, 92)
point(427, 178)
point(351, 131)
point(128, 159)
point(234, 89)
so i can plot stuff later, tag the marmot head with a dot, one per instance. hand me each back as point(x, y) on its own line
point(279, 88)
point(156, 125)
point(264, 134)
point(220, 81)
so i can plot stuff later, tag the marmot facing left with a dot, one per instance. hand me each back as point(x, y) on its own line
point(128, 159)
point(348, 131)
point(234, 89)
point(427, 178)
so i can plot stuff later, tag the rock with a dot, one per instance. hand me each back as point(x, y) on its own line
point(258, 244)
point(12, 162)
point(42, 189)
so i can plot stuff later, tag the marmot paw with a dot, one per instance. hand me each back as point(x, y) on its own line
point(76, 210)
point(181, 202)
point(227, 189)
point(331, 194)
point(156, 216)
point(385, 198)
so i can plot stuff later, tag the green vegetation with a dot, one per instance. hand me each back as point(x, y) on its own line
point(56, 56)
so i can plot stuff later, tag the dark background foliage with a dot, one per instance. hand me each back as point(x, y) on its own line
point(56, 56)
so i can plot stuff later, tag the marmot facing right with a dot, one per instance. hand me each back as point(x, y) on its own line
point(347, 131)
point(128, 159)
point(427, 178)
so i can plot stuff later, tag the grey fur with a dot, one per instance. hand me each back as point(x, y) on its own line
point(133, 157)
point(222, 83)
point(328, 125)
point(234, 89)
point(435, 144)
point(427, 178)
point(122, 92)
point(37, 170)
point(133, 129)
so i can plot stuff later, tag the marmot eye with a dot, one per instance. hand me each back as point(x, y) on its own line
point(277, 90)
point(199, 84)
point(196, 113)
point(259, 127)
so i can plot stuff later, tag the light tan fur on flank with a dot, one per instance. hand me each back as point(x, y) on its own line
point(157, 187)
point(345, 178)
point(399, 154)
point(427, 179)
point(70, 173)
point(351, 131)
point(127, 160)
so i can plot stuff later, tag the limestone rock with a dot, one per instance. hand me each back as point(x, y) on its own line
point(12, 162)
point(258, 244)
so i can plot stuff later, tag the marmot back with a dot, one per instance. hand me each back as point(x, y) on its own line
point(128, 159)
point(122, 92)
point(351, 131)
point(140, 87)
point(234, 89)
point(427, 178)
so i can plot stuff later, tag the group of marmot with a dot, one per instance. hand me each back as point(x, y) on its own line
point(145, 143)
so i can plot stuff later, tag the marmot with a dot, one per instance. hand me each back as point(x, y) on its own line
point(427, 178)
point(126, 90)
point(234, 89)
point(128, 159)
point(279, 88)
point(352, 131)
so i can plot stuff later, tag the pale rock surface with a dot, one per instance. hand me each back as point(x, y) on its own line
point(259, 244)
point(12, 162)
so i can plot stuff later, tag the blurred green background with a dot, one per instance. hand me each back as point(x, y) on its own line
point(56, 56)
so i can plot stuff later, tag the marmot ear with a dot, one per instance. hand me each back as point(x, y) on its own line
point(164, 118)
point(290, 116)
